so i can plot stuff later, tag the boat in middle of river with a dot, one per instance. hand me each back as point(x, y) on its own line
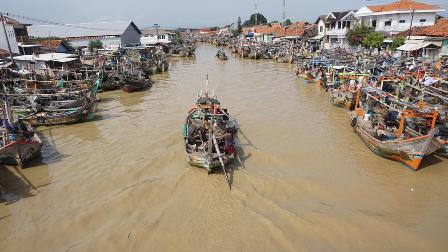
point(209, 134)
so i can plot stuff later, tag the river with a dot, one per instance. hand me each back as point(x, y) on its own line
point(121, 182)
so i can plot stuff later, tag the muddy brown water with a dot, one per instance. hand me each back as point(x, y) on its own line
point(121, 183)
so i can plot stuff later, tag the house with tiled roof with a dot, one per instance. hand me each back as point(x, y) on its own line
point(396, 17)
point(427, 41)
point(333, 27)
point(298, 31)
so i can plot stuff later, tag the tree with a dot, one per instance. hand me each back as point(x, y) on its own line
point(177, 38)
point(95, 44)
point(356, 35)
point(239, 28)
point(397, 42)
point(373, 40)
point(260, 19)
point(287, 22)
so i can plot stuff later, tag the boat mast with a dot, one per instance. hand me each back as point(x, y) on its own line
point(6, 36)
point(206, 86)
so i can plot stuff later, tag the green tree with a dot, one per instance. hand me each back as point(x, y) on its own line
point(287, 22)
point(239, 28)
point(397, 42)
point(356, 35)
point(95, 44)
point(259, 17)
point(177, 39)
point(373, 40)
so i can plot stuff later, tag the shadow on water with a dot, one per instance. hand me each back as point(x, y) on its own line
point(13, 187)
point(49, 153)
point(430, 160)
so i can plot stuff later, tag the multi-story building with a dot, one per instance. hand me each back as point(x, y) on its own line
point(151, 37)
point(396, 17)
point(10, 32)
point(333, 27)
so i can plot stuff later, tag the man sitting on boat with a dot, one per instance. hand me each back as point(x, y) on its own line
point(229, 146)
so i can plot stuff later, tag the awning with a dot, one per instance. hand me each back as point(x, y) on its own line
point(63, 60)
point(411, 47)
point(318, 37)
point(416, 46)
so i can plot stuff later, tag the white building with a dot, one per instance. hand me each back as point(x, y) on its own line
point(40, 62)
point(151, 37)
point(11, 37)
point(397, 17)
point(111, 34)
point(333, 27)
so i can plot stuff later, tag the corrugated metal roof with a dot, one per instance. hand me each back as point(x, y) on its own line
point(114, 28)
point(45, 57)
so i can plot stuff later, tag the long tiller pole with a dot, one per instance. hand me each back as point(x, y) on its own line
point(222, 162)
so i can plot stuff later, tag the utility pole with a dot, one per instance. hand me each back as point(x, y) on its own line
point(284, 12)
point(256, 15)
point(156, 26)
point(412, 20)
point(6, 36)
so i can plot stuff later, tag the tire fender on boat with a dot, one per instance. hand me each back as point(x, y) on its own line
point(354, 122)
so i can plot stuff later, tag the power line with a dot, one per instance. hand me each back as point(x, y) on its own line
point(16, 16)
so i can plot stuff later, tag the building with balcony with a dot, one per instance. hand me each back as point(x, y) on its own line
point(396, 17)
point(333, 27)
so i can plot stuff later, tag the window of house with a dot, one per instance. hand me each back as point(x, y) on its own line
point(339, 25)
point(402, 21)
point(348, 24)
point(388, 23)
point(422, 20)
point(374, 23)
point(343, 24)
point(321, 29)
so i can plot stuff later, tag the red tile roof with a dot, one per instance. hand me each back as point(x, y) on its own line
point(50, 43)
point(295, 29)
point(440, 29)
point(402, 5)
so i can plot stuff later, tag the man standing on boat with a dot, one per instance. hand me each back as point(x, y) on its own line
point(229, 146)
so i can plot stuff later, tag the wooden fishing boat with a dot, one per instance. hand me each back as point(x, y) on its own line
point(134, 85)
point(62, 116)
point(344, 95)
point(209, 133)
point(401, 144)
point(442, 137)
point(18, 142)
point(18, 148)
point(221, 55)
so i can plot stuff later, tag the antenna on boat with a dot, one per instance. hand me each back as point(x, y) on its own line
point(206, 86)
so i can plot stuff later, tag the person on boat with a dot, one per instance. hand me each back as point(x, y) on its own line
point(229, 146)
point(352, 86)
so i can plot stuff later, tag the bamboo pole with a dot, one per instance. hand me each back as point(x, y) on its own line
point(220, 160)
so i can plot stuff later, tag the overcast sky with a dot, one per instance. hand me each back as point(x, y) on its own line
point(180, 13)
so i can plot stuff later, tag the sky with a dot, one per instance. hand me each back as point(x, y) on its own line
point(181, 13)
